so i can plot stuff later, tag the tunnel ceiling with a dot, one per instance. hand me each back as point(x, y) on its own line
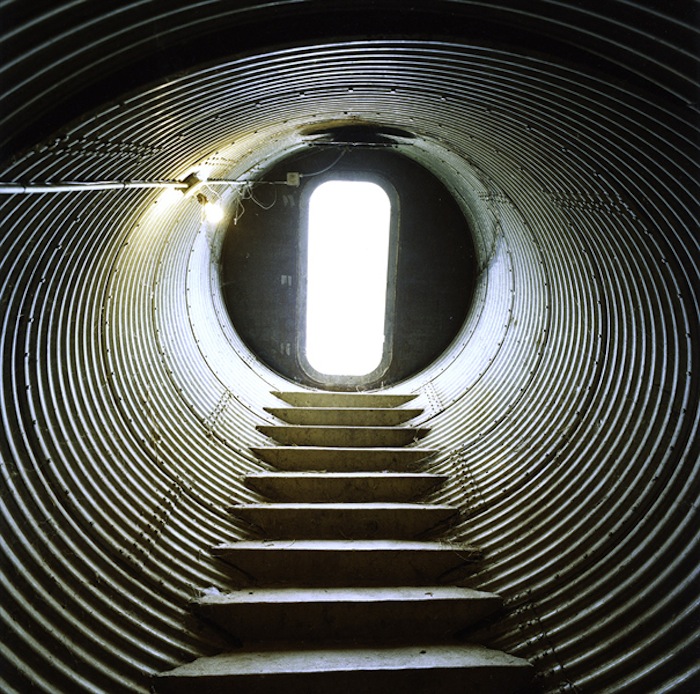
point(566, 408)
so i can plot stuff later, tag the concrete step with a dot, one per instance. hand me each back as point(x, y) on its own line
point(342, 459)
point(419, 669)
point(309, 487)
point(344, 416)
point(351, 437)
point(347, 614)
point(352, 521)
point(332, 563)
point(328, 399)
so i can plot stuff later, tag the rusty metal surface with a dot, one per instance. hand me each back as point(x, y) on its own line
point(567, 408)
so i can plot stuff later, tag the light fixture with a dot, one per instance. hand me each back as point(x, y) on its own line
point(213, 211)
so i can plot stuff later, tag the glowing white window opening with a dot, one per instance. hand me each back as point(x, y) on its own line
point(347, 270)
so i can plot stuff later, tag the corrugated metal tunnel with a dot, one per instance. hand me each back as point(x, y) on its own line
point(566, 408)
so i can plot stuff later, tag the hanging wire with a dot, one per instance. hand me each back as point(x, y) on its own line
point(260, 204)
point(343, 152)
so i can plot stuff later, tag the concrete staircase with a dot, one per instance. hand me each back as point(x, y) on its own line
point(345, 584)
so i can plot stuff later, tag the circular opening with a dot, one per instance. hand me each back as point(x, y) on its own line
point(428, 260)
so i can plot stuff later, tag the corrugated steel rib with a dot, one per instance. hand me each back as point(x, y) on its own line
point(567, 408)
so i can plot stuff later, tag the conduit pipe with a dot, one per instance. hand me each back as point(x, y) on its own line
point(566, 408)
point(92, 186)
point(86, 186)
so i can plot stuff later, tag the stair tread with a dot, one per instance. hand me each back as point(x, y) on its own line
point(370, 477)
point(372, 659)
point(343, 428)
point(398, 594)
point(346, 545)
point(337, 451)
point(345, 506)
point(321, 410)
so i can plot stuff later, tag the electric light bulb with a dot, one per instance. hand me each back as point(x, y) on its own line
point(213, 212)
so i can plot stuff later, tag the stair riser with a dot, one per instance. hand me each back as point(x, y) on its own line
point(350, 489)
point(494, 679)
point(311, 399)
point(346, 568)
point(329, 524)
point(343, 417)
point(301, 459)
point(352, 437)
point(352, 622)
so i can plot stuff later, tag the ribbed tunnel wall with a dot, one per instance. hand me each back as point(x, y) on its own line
point(567, 408)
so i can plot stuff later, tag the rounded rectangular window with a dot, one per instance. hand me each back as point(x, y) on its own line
point(348, 276)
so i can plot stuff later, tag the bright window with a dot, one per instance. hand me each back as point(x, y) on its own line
point(347, 271)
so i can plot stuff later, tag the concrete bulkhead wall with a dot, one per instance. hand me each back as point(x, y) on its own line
point(567, 406)
point(429, 291)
